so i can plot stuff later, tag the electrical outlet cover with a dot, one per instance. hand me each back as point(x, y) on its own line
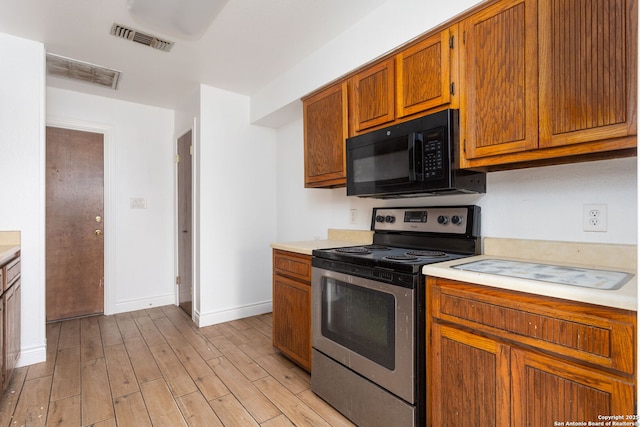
point(594, 217)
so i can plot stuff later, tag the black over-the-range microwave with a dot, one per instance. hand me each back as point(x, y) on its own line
point(414, 158)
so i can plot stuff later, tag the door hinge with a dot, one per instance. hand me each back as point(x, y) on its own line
point(177, 158)
point(451, 42)
point(191, 150)
point(464, 37)
point(178, 280)
point(452, 88)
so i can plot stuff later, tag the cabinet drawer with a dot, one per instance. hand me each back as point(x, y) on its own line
point(589, 333)
point(293, 265)
point(13, 272)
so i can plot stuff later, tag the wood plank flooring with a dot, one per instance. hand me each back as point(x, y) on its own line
point(156, 368)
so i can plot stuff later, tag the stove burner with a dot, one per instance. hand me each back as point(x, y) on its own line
point(358, 250)
point(404, 257)
point(429, 254)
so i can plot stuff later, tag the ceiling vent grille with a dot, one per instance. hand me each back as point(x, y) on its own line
point(140, 37)
point(68, 68)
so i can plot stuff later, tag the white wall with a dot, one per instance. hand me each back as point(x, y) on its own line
point(139, 270)
point(538, 203)
point(236, 209)
point(22, 92)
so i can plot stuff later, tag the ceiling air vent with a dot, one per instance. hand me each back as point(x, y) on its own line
point(140, 37)
point(68, 68)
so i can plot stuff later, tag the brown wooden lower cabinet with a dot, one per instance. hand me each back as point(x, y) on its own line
point(10, 319)
point(547, 391)
point(292, 306)
point(469, 379)
point(505, 358)
point(12, 300)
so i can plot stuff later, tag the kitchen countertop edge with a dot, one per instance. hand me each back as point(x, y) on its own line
point(7, 252)
point(306, 247)
point(623, 298)
point(336, 238)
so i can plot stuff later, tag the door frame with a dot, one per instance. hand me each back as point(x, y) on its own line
point(194, 224)
point(109, 208)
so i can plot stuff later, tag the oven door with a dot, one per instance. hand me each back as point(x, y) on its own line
point(367, 326)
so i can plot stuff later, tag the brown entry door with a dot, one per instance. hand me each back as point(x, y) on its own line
point(185, 232)
point(74, 223)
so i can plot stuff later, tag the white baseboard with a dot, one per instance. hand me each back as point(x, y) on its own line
point(31, 356)
point(235, 313)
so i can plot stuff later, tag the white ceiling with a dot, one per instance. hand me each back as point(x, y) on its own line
point(249, 43)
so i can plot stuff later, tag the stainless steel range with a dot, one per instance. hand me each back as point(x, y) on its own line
point(368, 312)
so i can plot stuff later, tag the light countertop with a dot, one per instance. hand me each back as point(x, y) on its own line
point(335, 239)
point(7, 252)
point(619, 258)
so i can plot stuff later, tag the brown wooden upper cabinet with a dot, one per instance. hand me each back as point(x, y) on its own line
point(547, 79)
point(418, 78)
point(588, 67)
point(536, 81)
point(325, 133)
point(425, 74)
point(372, 95)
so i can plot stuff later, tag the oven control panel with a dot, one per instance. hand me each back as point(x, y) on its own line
point(450, 219)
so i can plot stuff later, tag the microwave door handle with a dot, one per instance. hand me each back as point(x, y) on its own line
point(415, 156)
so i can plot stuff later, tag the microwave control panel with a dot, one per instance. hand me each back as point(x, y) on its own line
point(434, 154)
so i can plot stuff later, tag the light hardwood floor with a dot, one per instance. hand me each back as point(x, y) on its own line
point(155, 368)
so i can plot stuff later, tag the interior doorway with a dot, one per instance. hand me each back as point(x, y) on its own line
point(74, 223)
point(185, 223)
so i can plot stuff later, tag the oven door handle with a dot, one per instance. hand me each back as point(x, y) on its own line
point(415, 156)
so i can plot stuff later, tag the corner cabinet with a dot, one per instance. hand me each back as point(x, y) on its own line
point(292, 306)
point(503, 358)
point(540, 83)
point(325, 134)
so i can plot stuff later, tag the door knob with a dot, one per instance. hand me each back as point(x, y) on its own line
point(98, 232)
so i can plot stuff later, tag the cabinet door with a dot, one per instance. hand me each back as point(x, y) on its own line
point(499, 100)
point(588, 57)
point(325, 133)
point(12, 299)
point(292, 319)
point(3, 380)
point(469, 381)
point(373, 100)
point(424, 75)
point(548, 390)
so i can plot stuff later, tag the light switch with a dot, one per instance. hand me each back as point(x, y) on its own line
point(138, 203)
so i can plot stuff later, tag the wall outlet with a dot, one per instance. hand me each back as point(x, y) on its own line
point(353, 219)
point(594, 217)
